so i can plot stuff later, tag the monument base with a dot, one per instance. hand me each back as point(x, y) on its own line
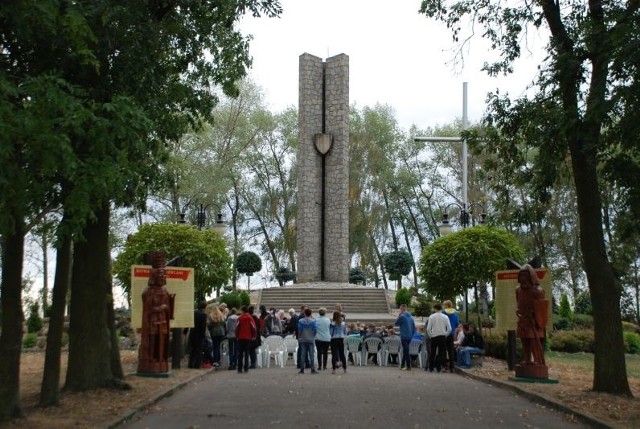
point(531, 371)
point(534, 380)
point(167, 374)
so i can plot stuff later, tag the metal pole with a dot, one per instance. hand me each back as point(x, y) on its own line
point(464, 147)
point(511, 349)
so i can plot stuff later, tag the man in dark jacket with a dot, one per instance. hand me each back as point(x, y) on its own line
point(197, 335)
point(473, 344)
point(292, 324)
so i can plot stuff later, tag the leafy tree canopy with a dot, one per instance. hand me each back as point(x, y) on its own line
point(451, 264)
point(398, 263)
point(248, 263)
point(202, 250)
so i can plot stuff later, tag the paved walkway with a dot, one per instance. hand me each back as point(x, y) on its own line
point(365, 397)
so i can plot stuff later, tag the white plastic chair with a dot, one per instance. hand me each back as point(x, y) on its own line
point(275, 346)
point(224, 353)
point(291, 345)
point(372, 345)
point(416, 347)
point(261, 355)
point(391, 346)
point(353, 345)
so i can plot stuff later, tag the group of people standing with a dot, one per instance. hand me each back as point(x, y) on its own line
point(244, 333)
point(316, 336)
point(448, 342)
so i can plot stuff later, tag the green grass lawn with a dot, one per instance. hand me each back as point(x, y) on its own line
point(585, 360)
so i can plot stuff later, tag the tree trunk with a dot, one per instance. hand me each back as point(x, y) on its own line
point(51, 377)
point(379, 256)
point(89, 334)
point(392, 228)
point(609, 372)
point(12, 320)
point(116, 364)
point(45, 274)
point(413, 265)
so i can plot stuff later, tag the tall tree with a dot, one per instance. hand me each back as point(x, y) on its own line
point(91, 91)
point(49, 391)
point(585, 97)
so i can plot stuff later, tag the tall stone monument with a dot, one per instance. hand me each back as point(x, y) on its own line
point(323, 175)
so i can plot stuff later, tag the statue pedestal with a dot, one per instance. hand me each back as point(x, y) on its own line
point(155, 374)
point(531, 371)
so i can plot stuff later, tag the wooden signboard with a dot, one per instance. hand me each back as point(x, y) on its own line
point(179, 282)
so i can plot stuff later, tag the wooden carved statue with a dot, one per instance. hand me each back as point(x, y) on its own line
point(533, 314)
point(157, 311)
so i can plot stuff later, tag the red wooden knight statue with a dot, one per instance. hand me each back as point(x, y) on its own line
point(157, 311)
point(533, 314)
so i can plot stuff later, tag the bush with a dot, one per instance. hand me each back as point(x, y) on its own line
point(565, 308)
point(583, 303)
point(30, 340)
point(561, 323)
point(579, 340)
point(232, 299)
point(582, 321)
point(632, 342)
point(245, 298)
point(403, 296)
point(422, 307)
point(630, 327)
point(34, 322)
point(495, 344)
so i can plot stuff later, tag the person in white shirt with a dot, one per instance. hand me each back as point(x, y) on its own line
point(438, 327)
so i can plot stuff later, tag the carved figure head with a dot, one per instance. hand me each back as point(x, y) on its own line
point(527, 276)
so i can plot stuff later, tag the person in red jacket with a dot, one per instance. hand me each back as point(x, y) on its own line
point(246, 333)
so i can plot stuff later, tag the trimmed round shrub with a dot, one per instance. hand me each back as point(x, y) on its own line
point(579, 340)
point(30, 340)
point(232, 299)
point(245, 298)
point(403, 296)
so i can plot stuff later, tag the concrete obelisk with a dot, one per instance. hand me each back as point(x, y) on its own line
point(323, 170)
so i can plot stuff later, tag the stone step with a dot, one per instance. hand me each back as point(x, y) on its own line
point(354, 299)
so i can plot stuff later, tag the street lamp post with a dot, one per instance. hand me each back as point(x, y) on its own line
point(201, 216)
point(465, 155)
point(201, 219)
point(219, 227)
point(466, 217)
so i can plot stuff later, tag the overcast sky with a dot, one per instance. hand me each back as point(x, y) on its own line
point(396, 56)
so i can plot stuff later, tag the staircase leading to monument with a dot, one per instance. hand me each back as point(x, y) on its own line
point(360, 304)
